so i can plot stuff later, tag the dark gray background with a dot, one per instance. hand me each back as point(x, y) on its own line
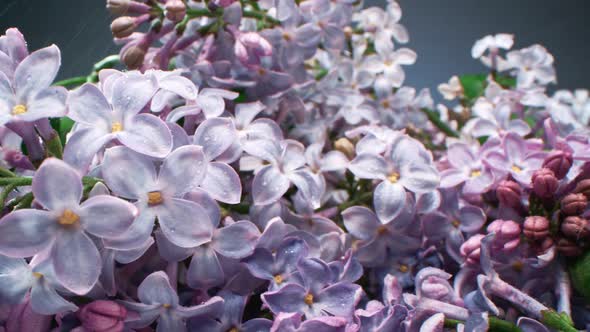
point(441, 32)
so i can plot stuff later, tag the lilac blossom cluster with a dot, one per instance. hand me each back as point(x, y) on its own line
point(260, 166)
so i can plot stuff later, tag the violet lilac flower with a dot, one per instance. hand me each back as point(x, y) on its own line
point(65, 227)
point(159, 301)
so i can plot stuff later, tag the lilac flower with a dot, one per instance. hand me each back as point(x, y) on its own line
point(532, 64)
point(159, 194)
point(316, 296)
point(388, 63)
point(277, 267)
point(112, 114)
point(493, 44)
point(210, 102)
point(13, 49)
point(17, 278)
point(230, 318)
point(399, 170)
point(171, 86)
point(451, 221)
point(378, 317)
point(234, 241)
point(467, 167)
point(291, 322)
point(377, 240)
point(65, 226)
point(287, 162)
point(516, 158)
point(158, 300)
point(29, 97)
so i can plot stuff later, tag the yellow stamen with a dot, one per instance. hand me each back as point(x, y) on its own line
point(116, 127)
point(68, 218)
point(475, 173)
point(393, 177)
point(19, 109)
point(278, 279)
point(403, 268)
point(233, 329)
point(385, 103)
point(287, 36)
point(154, 198)
point(518, 266)
point(308, 299)
point(37, 275)
point(381, 230)
point(516, 169)
point(455, 223)
point(166, 305)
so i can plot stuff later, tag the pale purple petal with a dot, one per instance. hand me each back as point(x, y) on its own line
point(169, 251)
point(419, 178)
point(37, 71)
point(147, 134)
point(48, 103)
point(83, 145)
point(269, 185)
point(211, 307)
point(76, 261)
point(205, 270)
point(236, 240)
point(24, 233)
point(106, 216)
point(389, 199)
point(308, 186)
point(132, 92)
point(170, 322)
point(182, 170)
point(46, 301)
point(89, 106)
point(136, 235)
point(156, 289)
point(360, 222)
point(338, 299)
point(222, 183)
point(15, 279)
point(288, 299)
point(134, 185)
point(184, 223)
point(179, 85)
point(57, 185)
point(368, 166)
point(215, 136)
point(452, 177)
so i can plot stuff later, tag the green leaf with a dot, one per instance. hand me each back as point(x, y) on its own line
point(473, 86)
point(506, 82)
point(580, 274)
point(63, 126)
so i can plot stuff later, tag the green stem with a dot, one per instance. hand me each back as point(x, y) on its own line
point(6, 173)
point(74, 81)
point(108, 62)
point(25, 201)
point(16, 181)
point(199, 12)
point(259, 15)
point(495, 324)
point(4, 194)
point(558, 321)
point(435, 119)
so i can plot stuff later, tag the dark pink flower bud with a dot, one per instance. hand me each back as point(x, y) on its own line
point(536, 227)
point(123, 26)
point(559, 162)
point(175, 10)
point(575, 227)
point(103, 316)
point(122, 7)
point(133, 56)
point(507, 234)
point(544, 183)
point(573, 204)
point(583, 187)
point(17, 159)
point(568, 247)
point(471, 249)
point(508, 193)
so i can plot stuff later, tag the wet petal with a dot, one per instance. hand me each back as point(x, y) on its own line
point(236, 240)
point(368, 166)
point(222, 183)
point(88, 105)
point(134, 185)
point(107, 216)
point(184, 223)
point(147, 134)
point(269, 185)
point(204, 270)
point(57, 185)
point(360, 222)
point(37, 71)
point(183, 170)
point(215, 136)
point(24, 233)
point(156, 289)
point(76, 261)
point(389, 199)
point(46, 301)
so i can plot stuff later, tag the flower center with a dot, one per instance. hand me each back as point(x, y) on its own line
point(385, 103)
point(455, 223)
point(37, 275)
point(381, 230)
point(518, 266)
point(116, 127)
point(393, 177)
point(233, 329)
point(516, 169)
point(403, 268)
point(308, 299)
point(154, 198)
point(475, 173)
point(166, 305)
point(68, 218)
point(278, 279)
point(287, 36)
point(19, 109)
